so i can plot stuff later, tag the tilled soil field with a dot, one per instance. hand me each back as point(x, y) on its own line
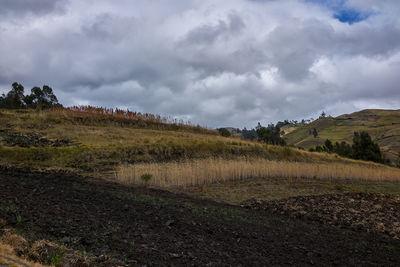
point(357, 211)
point(144, 227)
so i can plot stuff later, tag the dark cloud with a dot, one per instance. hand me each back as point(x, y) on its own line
point(36, 7)
point(211, 62)
point(206, 35)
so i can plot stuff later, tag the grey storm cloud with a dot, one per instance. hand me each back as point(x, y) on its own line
point(208, 34)
point(22, 7)
point(213, 62)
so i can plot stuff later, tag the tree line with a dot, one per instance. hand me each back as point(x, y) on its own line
point(270, 134)
point(363, 148)
point(39, 98)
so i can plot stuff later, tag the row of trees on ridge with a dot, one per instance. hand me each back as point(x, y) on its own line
point(39, 98)
point(269, 135)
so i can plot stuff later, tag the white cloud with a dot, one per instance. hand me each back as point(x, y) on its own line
point(217, 63)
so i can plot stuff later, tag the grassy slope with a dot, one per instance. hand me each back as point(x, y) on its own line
point(99, 144)
point(382, 125)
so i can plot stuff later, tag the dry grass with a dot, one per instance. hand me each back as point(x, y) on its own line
point(103, 139)
point(8, 258)
point(207, 171)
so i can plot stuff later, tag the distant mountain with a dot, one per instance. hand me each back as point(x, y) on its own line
point(382, 125)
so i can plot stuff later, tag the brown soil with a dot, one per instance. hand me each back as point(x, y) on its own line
point(357, 211)
point(141, 226)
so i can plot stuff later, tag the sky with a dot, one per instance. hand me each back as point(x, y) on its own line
point(216, 63)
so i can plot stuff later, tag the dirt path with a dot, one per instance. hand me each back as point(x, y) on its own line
point(140, 226)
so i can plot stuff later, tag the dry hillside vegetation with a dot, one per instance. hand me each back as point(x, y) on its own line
point(205, 171)
point(97, 140)
point(8, 255)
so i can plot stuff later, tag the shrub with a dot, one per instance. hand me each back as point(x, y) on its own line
point(146, 177)
point(224, 132)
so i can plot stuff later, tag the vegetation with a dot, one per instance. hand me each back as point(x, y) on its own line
point(363, 148)
point(129, 144)
point(99, 140)
point(270, 135)
point(207, 171)
point(10, 257)
point(38, 99)
point(146, 177)
point(224, 132)
point(382, 125)
point(249, 134)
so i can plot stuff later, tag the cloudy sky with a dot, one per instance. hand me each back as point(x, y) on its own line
point(213, 62)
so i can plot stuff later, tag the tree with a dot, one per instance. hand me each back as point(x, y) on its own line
point(41, 98)
point(249, 134)
point(365, 149)
point(343, 149)
point(224, 132)
point(14, 98)
point(3, 102)
point(328, 146)
point(323, 115)
point(270, 135)
point(315, 133)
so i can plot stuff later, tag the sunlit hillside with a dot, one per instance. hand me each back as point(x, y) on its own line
point(382, 125)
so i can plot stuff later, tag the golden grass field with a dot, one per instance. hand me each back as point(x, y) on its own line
point(217, 170)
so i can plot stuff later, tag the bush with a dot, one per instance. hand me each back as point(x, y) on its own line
point(224, 132)
point(146, 177)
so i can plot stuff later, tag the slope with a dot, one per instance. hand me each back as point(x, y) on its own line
point(382, 125)
point(90, 140)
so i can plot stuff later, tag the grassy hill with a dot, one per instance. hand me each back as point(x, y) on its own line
point(126, 145)
point(382, 125)
point(94, 140)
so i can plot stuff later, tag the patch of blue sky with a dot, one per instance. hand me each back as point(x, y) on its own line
point(342, 12)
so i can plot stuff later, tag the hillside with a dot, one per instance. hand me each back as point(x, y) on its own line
point(382, 125)
point(72, 194)
point(90, 141)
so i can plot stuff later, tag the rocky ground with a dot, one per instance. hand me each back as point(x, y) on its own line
point(108, 224)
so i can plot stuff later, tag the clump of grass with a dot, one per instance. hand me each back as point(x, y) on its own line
point(215, 170)
point(57, 258)
point(146, 178)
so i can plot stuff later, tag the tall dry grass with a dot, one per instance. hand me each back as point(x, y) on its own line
point(204, 171)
